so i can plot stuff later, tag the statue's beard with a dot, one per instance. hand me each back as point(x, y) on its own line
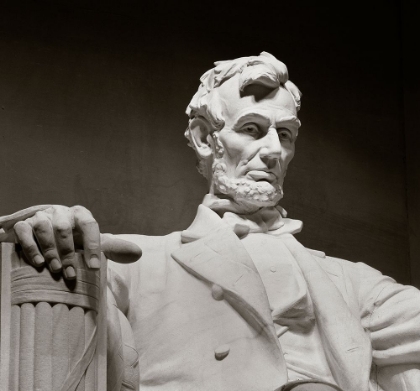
point(245, 191)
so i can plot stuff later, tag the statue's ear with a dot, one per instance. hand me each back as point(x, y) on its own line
point(200, 128)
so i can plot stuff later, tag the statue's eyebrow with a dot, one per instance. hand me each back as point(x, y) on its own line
point(290, 120)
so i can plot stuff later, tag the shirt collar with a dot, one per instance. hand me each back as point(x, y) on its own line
point(267, 220)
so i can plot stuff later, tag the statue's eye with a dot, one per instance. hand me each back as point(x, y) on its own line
point(284, 134)
point(251, 129)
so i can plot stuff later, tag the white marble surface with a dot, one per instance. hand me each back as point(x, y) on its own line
point(235, 302)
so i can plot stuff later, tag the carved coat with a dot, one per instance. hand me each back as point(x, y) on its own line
point(202, 316)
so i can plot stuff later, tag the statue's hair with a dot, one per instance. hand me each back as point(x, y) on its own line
point(264, 69)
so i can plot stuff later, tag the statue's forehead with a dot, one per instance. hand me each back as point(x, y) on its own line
point(278, 103)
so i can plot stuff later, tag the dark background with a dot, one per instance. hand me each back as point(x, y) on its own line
point(93, 96)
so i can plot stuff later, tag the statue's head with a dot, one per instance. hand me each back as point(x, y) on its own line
point(243, 127)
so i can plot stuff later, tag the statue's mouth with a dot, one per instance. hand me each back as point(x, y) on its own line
point(262, 176)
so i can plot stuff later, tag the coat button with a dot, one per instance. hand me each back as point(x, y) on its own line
point(217, 292)
point(221, 352)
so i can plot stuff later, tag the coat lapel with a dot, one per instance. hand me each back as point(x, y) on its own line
point(346, 344)
point(221, 260)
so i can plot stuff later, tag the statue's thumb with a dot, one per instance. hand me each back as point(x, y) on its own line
point(119, 250)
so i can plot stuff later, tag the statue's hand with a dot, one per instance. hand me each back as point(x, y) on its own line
point(52, 233)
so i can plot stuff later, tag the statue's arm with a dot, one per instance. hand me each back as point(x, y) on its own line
point(391, 315)
point(47, 233)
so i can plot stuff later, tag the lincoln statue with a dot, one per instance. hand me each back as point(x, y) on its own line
point(234, 302)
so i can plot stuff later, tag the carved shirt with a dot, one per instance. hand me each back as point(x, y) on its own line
point(291, 308)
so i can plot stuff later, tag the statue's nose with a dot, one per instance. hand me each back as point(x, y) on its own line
point(271, 149)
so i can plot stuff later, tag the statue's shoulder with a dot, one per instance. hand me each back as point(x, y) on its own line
point(349, 275)
point(329, 262)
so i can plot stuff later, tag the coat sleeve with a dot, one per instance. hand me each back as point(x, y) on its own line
point(390, 313)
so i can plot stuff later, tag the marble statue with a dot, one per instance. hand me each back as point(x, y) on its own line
point(235, 302)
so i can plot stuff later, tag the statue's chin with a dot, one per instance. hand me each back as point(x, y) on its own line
point(247, 193)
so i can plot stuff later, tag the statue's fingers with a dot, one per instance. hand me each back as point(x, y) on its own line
point(43, 231)
point(63, 234)
point(25, 237)
point(7, 222)
point(119, 250)
point(87, 226)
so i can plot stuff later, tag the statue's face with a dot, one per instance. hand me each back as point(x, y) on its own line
point(258, 141)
